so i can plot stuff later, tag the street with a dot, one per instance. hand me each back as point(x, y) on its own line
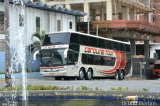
point(104, 84)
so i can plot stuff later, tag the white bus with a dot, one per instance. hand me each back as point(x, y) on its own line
point(75, 54)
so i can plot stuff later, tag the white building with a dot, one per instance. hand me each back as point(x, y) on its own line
point(38, 17)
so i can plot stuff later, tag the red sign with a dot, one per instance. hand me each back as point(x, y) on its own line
point(98, 51)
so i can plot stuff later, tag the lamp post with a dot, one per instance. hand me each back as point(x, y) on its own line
point(8, 81)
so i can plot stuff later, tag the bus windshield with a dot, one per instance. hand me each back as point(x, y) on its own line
point(52, 57)
point(56, 38)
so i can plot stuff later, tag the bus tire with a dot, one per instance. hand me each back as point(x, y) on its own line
point(89, 75)
point(122, 75)
point(117, 75)
point(81, 74)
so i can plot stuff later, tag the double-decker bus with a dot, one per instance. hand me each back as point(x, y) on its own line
point(75, 54)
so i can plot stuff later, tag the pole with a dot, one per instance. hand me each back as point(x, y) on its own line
point(7, 42)
point(88, 24)
point(97, 30)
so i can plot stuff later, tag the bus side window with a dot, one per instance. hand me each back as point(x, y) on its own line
point(83, 40)
point(72, 57)
point(74, 38)
point(128, 49)
point(90, 59)
point(115, 46)
point(108, 45)
point(122, 47)
point(96, 60)
point(84, 59)
point(101, 43)
point(102, 61)
point(74, 47)
point(92, 41)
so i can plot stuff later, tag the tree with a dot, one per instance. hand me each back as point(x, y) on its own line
point(38, 38)
point(39, 35)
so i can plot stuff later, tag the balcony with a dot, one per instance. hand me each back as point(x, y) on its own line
point(142, 2)
point(128, 25)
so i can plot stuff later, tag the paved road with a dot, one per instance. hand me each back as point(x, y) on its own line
point(133, 85)
point(105, 84)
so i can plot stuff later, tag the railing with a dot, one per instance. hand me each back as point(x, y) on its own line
point(142, 2)
point(145, 2)
point(135, 25)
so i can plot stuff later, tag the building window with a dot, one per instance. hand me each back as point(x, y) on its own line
point(21, 20)
point(70, 25)
point(58, 25)
point(1, 22)
point(37, 24)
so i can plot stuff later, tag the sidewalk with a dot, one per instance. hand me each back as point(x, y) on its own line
point(32, 75)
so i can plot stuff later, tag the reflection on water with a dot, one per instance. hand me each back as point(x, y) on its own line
point(80, 102)
point(64, 103)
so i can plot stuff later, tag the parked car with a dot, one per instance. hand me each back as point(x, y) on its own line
point(156, 71)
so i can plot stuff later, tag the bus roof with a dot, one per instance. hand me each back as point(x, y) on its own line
point(91, 36)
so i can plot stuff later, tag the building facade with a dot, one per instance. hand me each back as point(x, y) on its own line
point(101, 10)
point(129, 20)
point(156, 15)
point(37, 17)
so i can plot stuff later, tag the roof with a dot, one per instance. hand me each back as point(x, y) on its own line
point(42, 6)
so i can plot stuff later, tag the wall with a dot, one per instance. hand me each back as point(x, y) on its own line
point(48, 22)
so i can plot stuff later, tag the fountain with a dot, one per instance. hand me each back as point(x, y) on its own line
point(19, 56)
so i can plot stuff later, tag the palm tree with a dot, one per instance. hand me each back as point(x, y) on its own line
point(38, 38)
point(39, 35)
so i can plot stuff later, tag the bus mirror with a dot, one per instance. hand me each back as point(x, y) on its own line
point(35, 54)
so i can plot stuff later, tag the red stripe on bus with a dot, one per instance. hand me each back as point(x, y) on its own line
point(117, 64)
point(123, 60)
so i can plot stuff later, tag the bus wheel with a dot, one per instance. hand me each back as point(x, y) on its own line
point(117, 75)
point(89, 74)
point(122, 75)
point(81, 74)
